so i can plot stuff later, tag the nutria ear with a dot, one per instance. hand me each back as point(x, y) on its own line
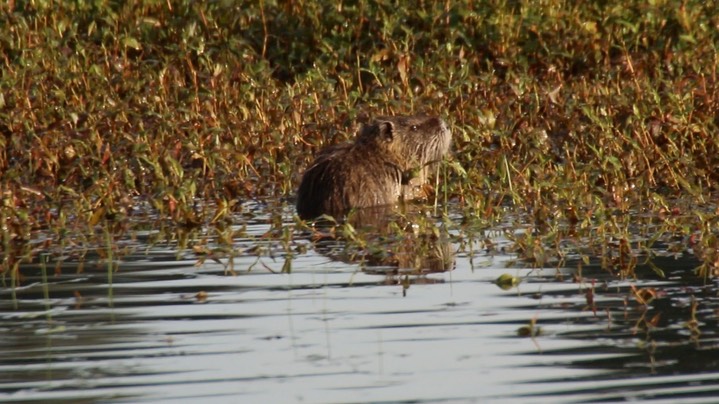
point(386, 131)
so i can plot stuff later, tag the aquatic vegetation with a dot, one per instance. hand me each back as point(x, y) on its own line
point(507, 281)
point(592, 126)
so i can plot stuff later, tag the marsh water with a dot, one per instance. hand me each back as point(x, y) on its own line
point(169, 327)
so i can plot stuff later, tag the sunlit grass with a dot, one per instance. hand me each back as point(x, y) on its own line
point(596, 122)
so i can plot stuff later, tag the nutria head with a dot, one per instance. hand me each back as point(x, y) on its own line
point(410, 141)
point(391, 157)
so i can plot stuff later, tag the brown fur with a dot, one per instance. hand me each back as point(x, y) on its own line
point(391, 158)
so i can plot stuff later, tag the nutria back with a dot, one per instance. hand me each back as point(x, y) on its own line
point(390, 159)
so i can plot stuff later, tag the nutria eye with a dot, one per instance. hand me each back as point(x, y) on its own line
point(414, 128)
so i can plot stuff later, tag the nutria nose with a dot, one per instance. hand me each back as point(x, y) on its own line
point(442, 124)
point(434, 122)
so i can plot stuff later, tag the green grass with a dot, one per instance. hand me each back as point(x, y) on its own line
point(597, 120)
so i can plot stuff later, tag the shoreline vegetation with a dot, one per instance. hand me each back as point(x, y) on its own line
point(596, 122)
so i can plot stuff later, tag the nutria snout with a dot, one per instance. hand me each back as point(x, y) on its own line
point(390, 158)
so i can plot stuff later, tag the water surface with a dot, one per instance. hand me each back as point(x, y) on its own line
point(175, 331)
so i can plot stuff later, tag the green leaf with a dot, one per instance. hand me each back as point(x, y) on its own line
point(130, 42)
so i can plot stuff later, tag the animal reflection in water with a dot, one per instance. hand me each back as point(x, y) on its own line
point(387, 242)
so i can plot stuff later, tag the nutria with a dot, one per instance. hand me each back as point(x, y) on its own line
point(390, 159)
